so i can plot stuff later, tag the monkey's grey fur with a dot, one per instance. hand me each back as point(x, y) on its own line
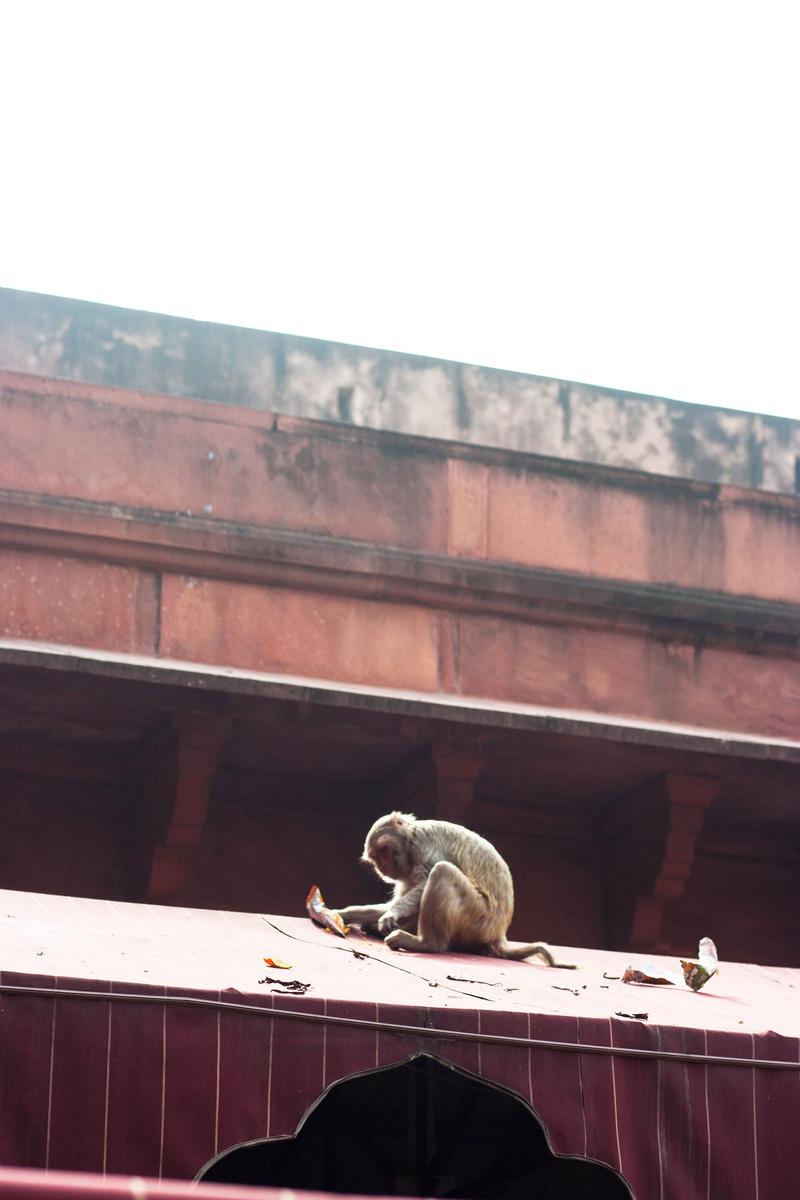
point(452, 890)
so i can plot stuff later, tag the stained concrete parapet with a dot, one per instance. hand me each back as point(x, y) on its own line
point(382, 389)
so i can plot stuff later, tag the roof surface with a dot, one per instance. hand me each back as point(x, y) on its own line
point(66, 937)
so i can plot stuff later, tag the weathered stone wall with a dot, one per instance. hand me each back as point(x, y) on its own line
point(380, 389)
point(152, 524)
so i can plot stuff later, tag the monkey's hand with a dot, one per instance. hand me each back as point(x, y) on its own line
point(388, 922)
point(401, 912)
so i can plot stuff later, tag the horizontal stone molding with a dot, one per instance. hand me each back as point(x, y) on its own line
point(171, 458)
point(278, 557)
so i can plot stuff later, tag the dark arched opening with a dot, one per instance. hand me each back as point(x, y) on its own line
point(423, 1128)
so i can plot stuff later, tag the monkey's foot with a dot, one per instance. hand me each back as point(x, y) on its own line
point(400, 939)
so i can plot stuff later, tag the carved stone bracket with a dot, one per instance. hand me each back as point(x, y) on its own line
point(650, 842)
point(439, 781)
point(178, 768)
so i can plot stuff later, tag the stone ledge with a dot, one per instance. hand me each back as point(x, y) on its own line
point(256, 554)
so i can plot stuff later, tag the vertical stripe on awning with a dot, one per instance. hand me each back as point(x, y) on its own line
point(614, 1092)
point(108, 1087)
point(598, 1090)
point(77, 1119)
point(50, 1085)
point(733, 1167)
point(163, 1087)
point(269, 1072)
point(709, 1149)
point(578, 1038)
point(216, 1082)
point(135, 1074)
point(755, 1119)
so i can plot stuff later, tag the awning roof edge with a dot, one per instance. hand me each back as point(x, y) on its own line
point(438, 706)
point(417, 1031)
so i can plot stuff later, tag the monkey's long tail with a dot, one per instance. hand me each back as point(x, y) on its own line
point(506, 950)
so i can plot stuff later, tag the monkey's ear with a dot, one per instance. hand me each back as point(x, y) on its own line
point(402, 820)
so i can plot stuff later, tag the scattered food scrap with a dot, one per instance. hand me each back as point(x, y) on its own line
point(322, 915)
point(695, 974)
point(276, 962)
point(648, 975)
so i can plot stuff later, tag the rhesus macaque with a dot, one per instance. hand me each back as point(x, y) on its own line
point(452, 890)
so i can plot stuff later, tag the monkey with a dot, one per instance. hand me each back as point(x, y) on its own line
point(452, 890)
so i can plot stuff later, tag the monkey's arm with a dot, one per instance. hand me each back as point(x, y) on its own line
point(396, 914)
point(403, 911)
point(366, 914)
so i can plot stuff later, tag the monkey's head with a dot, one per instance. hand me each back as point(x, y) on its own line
point(388, 846)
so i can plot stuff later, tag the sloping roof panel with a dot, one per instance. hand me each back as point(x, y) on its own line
point(205, 1046)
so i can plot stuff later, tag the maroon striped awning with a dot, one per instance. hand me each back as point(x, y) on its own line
point(139, 1039)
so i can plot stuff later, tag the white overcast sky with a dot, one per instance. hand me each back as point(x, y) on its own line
point(602, 191)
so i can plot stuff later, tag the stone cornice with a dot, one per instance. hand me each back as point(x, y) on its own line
point(184, 544)
point(205, 682)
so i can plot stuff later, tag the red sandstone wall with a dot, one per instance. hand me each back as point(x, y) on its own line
point(219, 535)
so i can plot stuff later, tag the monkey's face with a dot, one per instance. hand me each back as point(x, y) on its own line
point(384, 856)
point(388, 846)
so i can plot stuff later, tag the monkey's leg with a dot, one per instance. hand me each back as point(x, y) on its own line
point(451, 910)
